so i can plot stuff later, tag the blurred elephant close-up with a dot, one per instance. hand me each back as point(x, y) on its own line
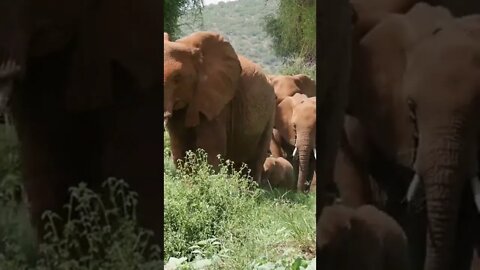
point(362, 238)
point(216, 100)
point(83, 90)
point(411, 126)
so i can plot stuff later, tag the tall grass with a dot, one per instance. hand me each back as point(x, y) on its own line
point(224, 221)
point(213, 220)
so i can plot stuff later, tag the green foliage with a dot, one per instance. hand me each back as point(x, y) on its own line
point(293, 29)
point(105, 228)
point(240, 22)
point(197, 187)
point(213, 220)
point(220, 220)
point(299, 66)
point(173, 9)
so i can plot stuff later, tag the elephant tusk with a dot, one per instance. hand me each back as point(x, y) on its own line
point(315, 153)
point(294, 151)
point(476, 191)
point(413, 187)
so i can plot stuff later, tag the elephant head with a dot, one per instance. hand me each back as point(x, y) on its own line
point(442, 92)
point(425, 62)
point(295, 121)
point(279, 173)
point(289, 85)
point(201, 74)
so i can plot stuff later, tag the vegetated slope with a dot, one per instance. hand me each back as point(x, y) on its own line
point(241, 23)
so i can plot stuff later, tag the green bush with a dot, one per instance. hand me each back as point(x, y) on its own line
point(293, 29)
point(221, 220)
point(200, 204)
point(106, 228)
point(299, 66)
point(213, 220)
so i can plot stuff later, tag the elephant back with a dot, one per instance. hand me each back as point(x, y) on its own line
point(252, 112)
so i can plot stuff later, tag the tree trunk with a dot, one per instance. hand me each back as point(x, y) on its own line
point(333, 65)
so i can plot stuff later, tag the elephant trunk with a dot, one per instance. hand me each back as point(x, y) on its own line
point(304, 145)
point(443, 164)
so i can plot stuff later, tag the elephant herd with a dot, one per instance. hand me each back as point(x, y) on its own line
point(223, 103)
point(410, 141)
point(82, 86)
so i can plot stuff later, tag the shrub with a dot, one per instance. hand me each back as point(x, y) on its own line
point(201, 203)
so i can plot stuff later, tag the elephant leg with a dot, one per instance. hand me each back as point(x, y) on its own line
point(181, 138)
point(133, 151)
point(211, 136)
point(352, 181)
point(256, 165)
point(351, 167)
point(45, 186)
point(275, 149)
point(45, 171)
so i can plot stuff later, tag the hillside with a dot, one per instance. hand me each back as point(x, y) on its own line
point(241, 23)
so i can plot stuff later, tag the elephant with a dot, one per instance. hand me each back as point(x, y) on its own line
point(411, 127)
point(216, 100)
point(362, 238)
point(278, 173)
point(368, 13)
point(288, 85)
point(295, 121)
point(88, 104)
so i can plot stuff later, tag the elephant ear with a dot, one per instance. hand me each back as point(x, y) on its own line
point(219, 73)
point(123, 32)
point(306, 84)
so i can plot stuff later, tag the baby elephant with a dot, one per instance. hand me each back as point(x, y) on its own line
point(363, 238)
point(279, 173)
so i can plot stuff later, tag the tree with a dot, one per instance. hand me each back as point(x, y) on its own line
point(293, 29)
point(173, 9)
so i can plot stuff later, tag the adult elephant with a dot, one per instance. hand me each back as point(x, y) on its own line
point(89, 103)
point(289, 85)
point(216, 100)
point(415, 112)
point(295, 122)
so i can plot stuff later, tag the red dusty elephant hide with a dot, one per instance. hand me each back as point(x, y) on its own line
point(216, 100)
